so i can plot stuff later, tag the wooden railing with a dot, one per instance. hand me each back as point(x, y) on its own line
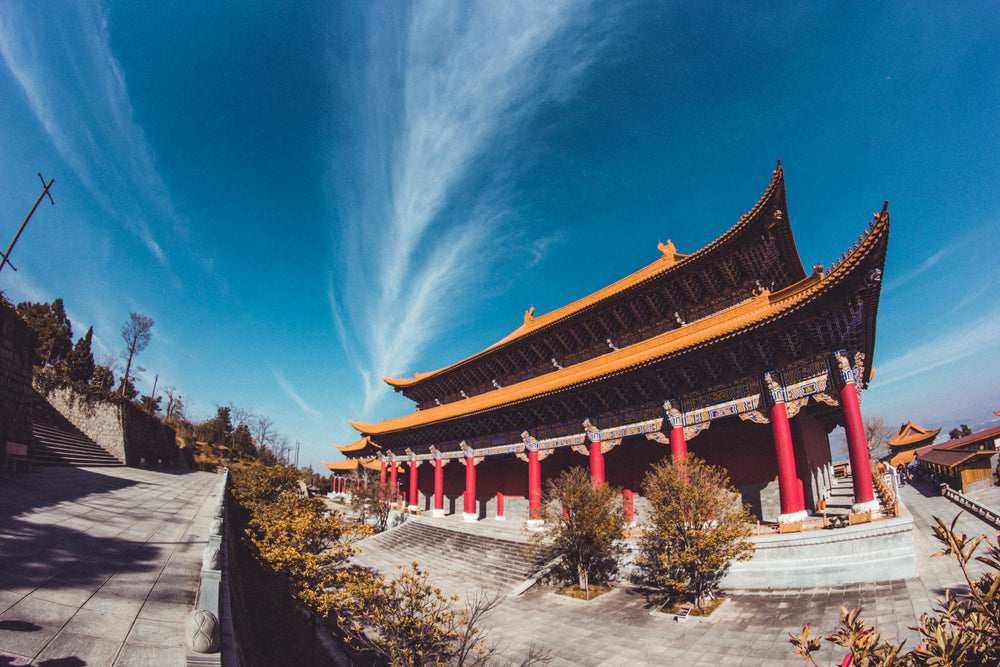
point(885, 494)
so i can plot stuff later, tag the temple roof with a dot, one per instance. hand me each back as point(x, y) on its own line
point(910, 435)
point(973, 439)
point(744, 317)
point(358, 446)
point(352, 464)
point(901, 458)
point(952, 457)
point(669, 261)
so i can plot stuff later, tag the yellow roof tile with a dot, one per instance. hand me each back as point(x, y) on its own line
point(743, 316)
point(668, 260)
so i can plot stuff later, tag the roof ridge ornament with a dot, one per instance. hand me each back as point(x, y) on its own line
point(667, 247)
point(670, 254)
point(529, 316)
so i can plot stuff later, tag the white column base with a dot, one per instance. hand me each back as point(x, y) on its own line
point(535, 524)
point(861, 508)
point(437, 512)
point(470, 517)
point(412, 508)
point(793, 517)
point(501, 518)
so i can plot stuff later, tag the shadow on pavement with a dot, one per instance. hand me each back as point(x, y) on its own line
point(47, 486)
point(54, 556)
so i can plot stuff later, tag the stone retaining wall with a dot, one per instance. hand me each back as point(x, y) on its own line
point(17, 343)
point(123, 430)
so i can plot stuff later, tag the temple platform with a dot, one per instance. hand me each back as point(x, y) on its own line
point(880, 550)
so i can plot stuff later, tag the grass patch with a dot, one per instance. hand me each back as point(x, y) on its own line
point(575, 591)
point(710, 606)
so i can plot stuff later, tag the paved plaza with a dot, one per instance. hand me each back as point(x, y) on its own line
point(100, 566)
point(751, 629)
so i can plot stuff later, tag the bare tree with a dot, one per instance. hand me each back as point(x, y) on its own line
point(282, 448)
point(262, 429)
point(175, 403)
point(136, 333)
point(877, 433)
point(240, 415)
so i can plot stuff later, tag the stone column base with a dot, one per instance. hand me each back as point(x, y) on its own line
point(413, 508)
point(861, 508)
point(470, 517)
point(501, 518)
point(437, 512)
point(535, 524)
point(793, 517)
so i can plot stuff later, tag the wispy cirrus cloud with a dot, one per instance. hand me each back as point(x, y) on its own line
point(426, 216)
point(290, 391)
point(76, 90)
point(967, 339)
point(933, 260)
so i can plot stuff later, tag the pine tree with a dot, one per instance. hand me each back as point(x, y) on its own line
point(80, 364)
point(55, 332)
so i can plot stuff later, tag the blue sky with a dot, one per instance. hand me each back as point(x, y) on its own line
point(306, 196)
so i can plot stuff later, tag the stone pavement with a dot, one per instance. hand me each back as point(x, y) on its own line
point(751, 629)
point(100, 566)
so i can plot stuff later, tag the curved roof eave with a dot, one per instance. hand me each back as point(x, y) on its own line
point(719, 326)
point(667, 262)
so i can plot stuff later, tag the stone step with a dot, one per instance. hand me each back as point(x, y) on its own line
point(57, 442)
point(483, 558)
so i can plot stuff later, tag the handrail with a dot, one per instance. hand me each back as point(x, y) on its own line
point(982, 511)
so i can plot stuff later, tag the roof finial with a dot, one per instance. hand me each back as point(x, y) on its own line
point(529, 315)
point(668, 247)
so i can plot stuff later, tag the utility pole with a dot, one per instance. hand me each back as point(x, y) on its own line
point(5, 258)
point(296, 453)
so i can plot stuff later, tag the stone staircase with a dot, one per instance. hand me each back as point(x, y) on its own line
point(473, 555)
point(57, 442)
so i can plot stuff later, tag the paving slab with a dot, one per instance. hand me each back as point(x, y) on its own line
point(98, 566)
point(753, 629)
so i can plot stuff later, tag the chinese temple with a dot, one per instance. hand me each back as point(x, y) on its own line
point(904, 445)
point(733, 353)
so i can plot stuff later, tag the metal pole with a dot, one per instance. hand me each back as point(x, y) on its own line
point(45, 191)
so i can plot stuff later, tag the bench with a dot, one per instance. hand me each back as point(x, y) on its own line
point(682, 614)
point(14, 454)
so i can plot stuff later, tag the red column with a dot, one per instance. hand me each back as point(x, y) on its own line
point(861, 471)
point(596, 464)
point(470, 490)
point(534, 488)
point(438, 487)
point(500, 516)
point(414, 504)
point(381, 472)
point(789, 486)
point(393, 482)
point(629, 505)
point(678, 446)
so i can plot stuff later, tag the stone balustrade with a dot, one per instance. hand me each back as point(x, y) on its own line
point(209, 621)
